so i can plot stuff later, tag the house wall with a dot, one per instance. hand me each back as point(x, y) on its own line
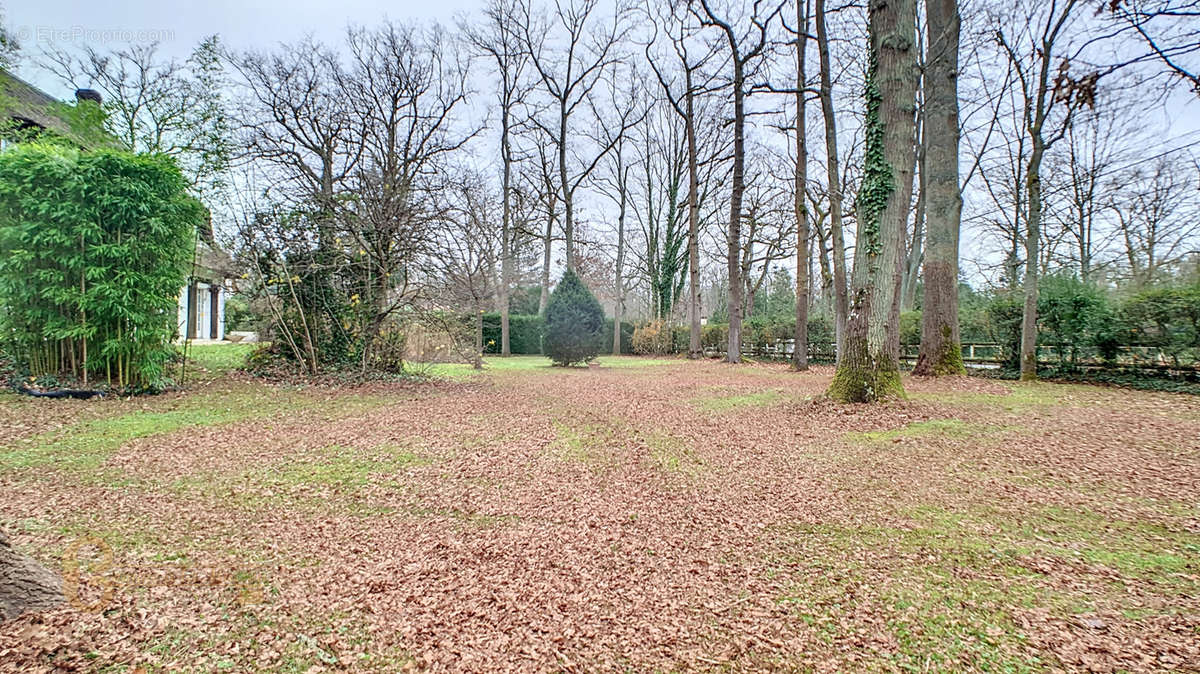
point(221, 313)
point(203, 311)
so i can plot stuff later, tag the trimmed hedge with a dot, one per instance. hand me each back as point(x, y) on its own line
point(627, 329)
point(525, 334)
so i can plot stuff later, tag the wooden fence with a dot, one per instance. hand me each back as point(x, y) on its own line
point(992, 355)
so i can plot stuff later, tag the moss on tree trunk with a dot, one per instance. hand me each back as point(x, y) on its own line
point(868, 366)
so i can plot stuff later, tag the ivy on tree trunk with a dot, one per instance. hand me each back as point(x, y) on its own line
point(869, 367)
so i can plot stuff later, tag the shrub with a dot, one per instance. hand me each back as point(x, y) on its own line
point(1071, 314)
point(574, 323)
point(681, 335)
point(761, 332)
point(1165, 318)
point(655, 338)
point(910, 327)
point(94, 250)
point(714, 336)
point(1003, 320)
point(821, 329)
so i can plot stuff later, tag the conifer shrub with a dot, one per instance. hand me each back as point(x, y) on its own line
point(574, 323)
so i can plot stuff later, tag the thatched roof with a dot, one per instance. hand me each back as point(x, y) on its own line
point(29, 105)
point(212, 263)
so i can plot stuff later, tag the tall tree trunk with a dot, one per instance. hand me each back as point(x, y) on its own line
point(549, 240)
point(1033, 186)
point(505, 232)
point(869, 368)
point(803, 255)
point(833, 169)
point(477, 362)
point(695, 350)
point(823, 260)
point(916, 251)
point(941, 350)
point(734, 348)
point(619, 304)
point(568, 210)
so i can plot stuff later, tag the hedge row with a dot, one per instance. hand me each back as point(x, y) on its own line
point(525, 334)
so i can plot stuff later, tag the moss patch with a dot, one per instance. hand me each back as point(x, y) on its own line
point(859, 385)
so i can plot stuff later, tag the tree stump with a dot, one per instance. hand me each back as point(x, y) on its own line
point(25, 585)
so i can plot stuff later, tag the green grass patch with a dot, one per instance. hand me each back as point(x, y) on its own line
point(950, 586)
point(340, 467)
point(584, 442)
point(219, 359)
point(532, 364)
point(328, 480)
point(725, 403)
point(671, 454)
point(946, 428)
point(84, 446)
point(635, 362)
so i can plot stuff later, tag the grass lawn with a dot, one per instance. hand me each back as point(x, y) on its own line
point(636, 515)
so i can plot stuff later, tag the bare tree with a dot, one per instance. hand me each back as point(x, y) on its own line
point(498, 38)
point(568, 69)
point(158, 104)
point(295, 120)
point(405, 85)
point(1042, 90)
point(466, 252)
point(745, 48)
point(1080, 184)
point(799, 193)
point(1156, 211)
point(1168, 30)
point(613, 131)
point(833, 177)
point(663, 167)
point(539, 180)
point(684, 105)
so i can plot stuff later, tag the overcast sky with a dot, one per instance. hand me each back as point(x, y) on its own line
point(179, 26)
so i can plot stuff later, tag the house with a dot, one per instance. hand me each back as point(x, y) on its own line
point(202, 300)
point(26, 112)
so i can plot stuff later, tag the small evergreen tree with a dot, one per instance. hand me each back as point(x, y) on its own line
point(574, 323)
